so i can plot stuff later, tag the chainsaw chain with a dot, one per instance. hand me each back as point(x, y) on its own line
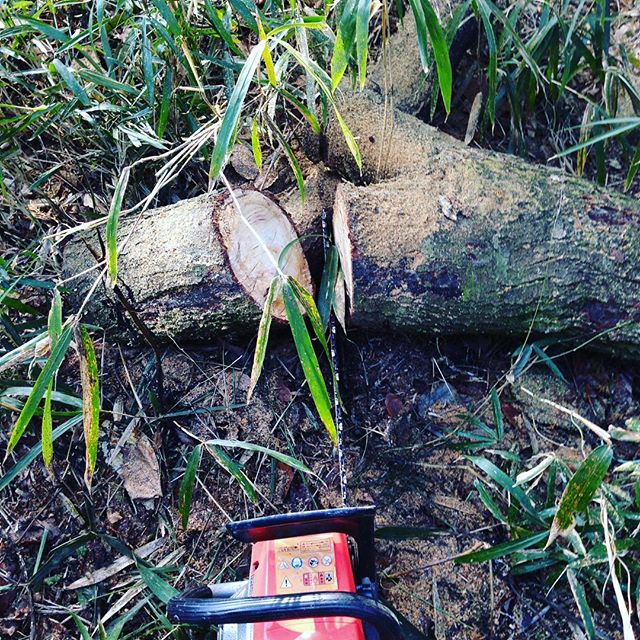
point(337, 409)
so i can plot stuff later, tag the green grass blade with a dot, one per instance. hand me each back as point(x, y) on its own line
point(232, 114)
point(40, 387)
point(309, 361)
point(91, 403)
point(362, 38)
point(580, 490)
point(263, 336)
point(250, 446)
point(70, 80)
point(501, 550)
point(186, 486)
point(112, 225)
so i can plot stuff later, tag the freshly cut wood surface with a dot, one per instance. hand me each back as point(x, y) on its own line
point(247, 238)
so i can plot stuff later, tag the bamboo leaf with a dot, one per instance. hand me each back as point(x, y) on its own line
point(309, 361)
point(502, 479)
point(633, 169)
point(40, 387)
point(501, 550)
point(349, 139)
point(147, 64)
point(428, 27)
point(255, 144)
point(328, 285)
point(485, 16)
point(309, 305)
point(266, 57)
point(235, 470)
point(82, 628)
point(344, 43)
point(90, 402)
point(232, 114)
point(363, 15)
point(186, 486)
point(580, 490)
point(112, 225)
point(250, 446)
point(263, 336)
point(55, 329)
point(70, 80)
point(55, 318)
point(497, 415)
point(440, 53)
point(583, 606)
point(165, 106)
point(601, 137)
point(47, 428)
point(159, 587)
point(34, 452)
point(553, 367)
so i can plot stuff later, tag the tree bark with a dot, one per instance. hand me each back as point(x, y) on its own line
point(442, 239)
point(191, 271)
point(481, 243)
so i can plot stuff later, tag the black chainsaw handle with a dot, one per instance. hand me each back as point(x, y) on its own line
point(357, 522)
point(197, 607)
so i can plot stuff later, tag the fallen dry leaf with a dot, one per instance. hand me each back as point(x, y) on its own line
point(393, 405)
point(141, 471)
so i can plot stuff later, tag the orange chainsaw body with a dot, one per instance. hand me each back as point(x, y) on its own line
point(306, 564)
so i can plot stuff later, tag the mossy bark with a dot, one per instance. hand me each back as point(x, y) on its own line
point(478, 242)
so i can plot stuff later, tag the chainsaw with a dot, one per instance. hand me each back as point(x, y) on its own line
point(304, 582)
point(312, 574)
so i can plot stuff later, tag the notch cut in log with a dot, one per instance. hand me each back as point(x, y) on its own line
point(193, 271)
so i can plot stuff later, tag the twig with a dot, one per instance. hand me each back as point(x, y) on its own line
point(599, 431)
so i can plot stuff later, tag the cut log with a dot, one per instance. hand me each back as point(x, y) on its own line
point(487, 244)
point(193, 270)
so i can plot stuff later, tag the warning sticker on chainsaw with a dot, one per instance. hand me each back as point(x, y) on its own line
point(298, 563)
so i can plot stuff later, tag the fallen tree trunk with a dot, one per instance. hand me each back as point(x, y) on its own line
point(443, 239)
point(191, 271)
point(480, 246)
